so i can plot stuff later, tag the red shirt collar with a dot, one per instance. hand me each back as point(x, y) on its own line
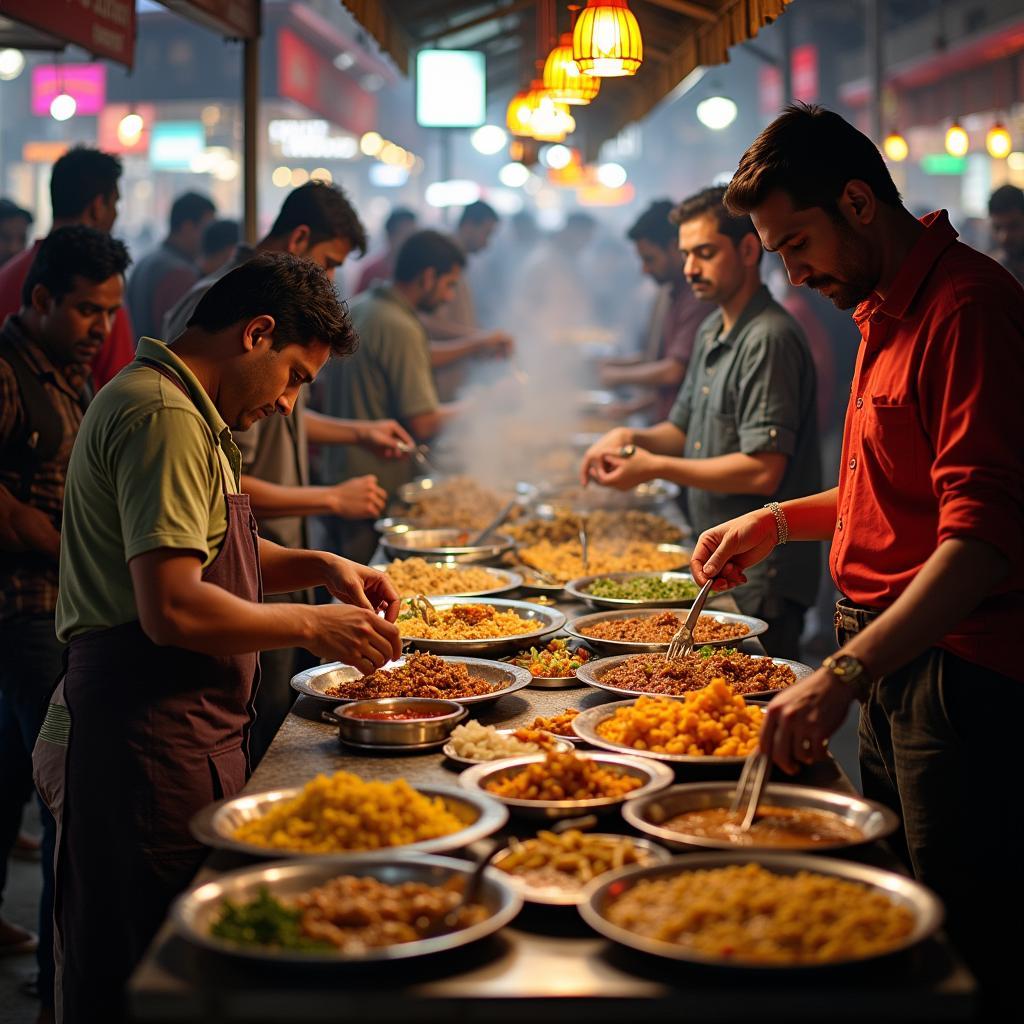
point(937, 237)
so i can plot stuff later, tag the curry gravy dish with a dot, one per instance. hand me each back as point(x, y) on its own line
point(792, 828)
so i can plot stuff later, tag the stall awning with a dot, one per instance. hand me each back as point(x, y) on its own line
point(104, 30)
point(679, 36)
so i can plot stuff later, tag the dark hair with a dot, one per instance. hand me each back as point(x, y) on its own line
point(711, 201)
point(325, 210)
point(74, 251)
point(654, 225)
point(396, 218)
point(190, 208)
point(810, 153)
point(219, 234)
point(426, 249)
point(79, 176)
point(1006, 199)
point(295, 292)
point(9, 210)
point(478, 213)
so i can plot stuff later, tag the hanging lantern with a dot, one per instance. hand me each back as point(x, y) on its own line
point(549, 121)
point(517, 117)
point(563, 79)
point(957, 140)
point(998, 141)
point(606, 41)
point(895, 147)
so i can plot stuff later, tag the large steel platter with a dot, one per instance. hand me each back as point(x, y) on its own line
point(919, 901)
point(548, 621)
point(594, 671)
point(578, 627)
point(649, 814)
point(643, 497)
point(504, 580)
point(216, 824)
point(314, 681)
point(425, 486)
point(196, 910)
point(445, 545)
point(578, 589)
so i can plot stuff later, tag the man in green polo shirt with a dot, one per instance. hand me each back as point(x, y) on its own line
point(161, 604)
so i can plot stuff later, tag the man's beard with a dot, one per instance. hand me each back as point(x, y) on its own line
point(855, 285)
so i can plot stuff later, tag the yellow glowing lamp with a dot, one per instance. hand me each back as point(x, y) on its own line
point(957, 140)
point(563, 79)
point(998, 142)
point(606, 41)
point(895, 147)
point(517, 117)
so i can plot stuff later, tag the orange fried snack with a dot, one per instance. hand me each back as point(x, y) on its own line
point(564, 776)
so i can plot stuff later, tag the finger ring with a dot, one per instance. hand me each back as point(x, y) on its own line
point(805, 745)
point(824, 743)
point(627, 451)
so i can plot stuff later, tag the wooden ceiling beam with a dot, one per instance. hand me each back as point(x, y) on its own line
point(498, 12)
point(687, 7)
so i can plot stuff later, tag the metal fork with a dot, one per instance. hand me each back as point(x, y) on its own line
point(750, 788)
point(681, 643)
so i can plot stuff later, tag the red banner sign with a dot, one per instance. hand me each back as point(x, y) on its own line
point(237, 18)
point(106, 28)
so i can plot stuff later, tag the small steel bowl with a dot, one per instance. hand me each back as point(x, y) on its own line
point(445, 545)
point(415, 732)
point(578, 588)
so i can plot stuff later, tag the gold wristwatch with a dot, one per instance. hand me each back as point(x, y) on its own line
point(851, 672)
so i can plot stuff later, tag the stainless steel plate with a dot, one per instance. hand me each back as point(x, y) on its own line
point(568, 895)
point(578, 589)
point(216, 824)
point(504, 579)
point(548, 620)
point(445, 545)
point(594, 671)
point(649, 814)
point(644, 496)
point(921, 902)
point(314, 681)
point(585, 726)
point(196, 910)
point(654, 777)
point(578, 627)
point(555, 682)
point(560, 743)
point(416, 490)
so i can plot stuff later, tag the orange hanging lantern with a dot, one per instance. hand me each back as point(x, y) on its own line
point(550, 121)
point(606, 41)
point(564, 80)
point(517, 117)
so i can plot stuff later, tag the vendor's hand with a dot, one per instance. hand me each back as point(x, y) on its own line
point(359, 498)
point(356, 636)
point(800, 720)
point(357, 584)
point(383, 438)
point(498, 344)
point(612, 470)
point(610, 443)
point(726, 550)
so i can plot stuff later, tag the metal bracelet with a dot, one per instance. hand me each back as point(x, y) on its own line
point(781, 525)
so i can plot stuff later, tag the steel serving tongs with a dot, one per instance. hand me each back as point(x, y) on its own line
point(419, 455)
point(424, 609)
point(750, 788)
point(584, 544)
point(494, 523)
point(681, 643)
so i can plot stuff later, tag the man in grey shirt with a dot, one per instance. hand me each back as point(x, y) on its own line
point(743, 430)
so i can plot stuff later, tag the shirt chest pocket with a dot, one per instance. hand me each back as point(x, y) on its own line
point(893, 438)
point(723, 436)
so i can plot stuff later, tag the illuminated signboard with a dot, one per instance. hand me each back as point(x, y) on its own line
point(451, 88)
point(87, 83)
point(174, 144)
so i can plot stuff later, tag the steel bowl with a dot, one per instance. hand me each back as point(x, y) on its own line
point(649, 814)
point(654, 777)
point(508, 678)
point(392, 733)
point(195, 911)
point(567, 895)
point(921, 902)
point(215, 825)
point(556, 682)
point(559, 743)
point(395, 524)
point(548, 620)
point(593, 674)
point(585, 726)
point(578, 627)
point(578, 589)
point(445, 545)
point(504, 580)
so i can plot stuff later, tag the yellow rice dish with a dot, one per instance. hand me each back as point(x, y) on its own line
point(465, 622)
point(412, 576)
point(342, 813)
point(565, 561)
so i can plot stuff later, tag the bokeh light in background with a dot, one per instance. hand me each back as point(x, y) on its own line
point(282, 177)
point(489, 139)
point(371, 143)
point(998, 141)
point(957, 140)
point(514, 175)
point(129, 130)
point(895, 147)
point(63, 107)
point(716, 112)
point(612, 175)
point(12, 63)
point(556, 157)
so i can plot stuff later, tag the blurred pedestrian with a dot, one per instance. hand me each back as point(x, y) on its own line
point(401, 223)
point(219, 240)
point(14, 225)
point(1006, 218)
point(84, 189)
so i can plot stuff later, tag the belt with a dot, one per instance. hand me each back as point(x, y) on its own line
point(852, 618)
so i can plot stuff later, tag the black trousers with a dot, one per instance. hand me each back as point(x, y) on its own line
point(785, 620)
point(938, 744)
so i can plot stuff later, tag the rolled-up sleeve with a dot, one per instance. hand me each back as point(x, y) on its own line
point(971, 385)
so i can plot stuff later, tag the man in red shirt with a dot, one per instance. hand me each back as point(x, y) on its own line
point(927, 523)
point(83, 190)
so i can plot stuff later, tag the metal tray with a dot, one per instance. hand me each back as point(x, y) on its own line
point(445, 545)
point(643, 497)
point(194, 911)
point(421, 488)
point(314, 681)
point(654, 776)
point(585, 726)
point(647, 814)
point(561, 744)
point(555, 682)
point(215, 825)
point(578, 589)
point(577, 626)
point(506, 580)
point(593, 672)
point(921, 902)
point(549, 620)
point(559, 896)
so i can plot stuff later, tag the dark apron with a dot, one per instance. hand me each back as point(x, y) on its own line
point(153, 734)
